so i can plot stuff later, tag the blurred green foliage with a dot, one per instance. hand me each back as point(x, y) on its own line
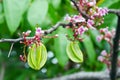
point(17, 16)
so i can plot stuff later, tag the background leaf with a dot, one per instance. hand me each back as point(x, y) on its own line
point(13, 10)
point(89, 49)
point(37, 12)
point(60, 47)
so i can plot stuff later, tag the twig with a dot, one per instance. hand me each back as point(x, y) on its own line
point(102, 75)
point(10, 49)
point(80, 11)
point(115, 51)
point(115, 11)
point(45, 33)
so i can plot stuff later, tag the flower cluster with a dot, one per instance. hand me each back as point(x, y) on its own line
point(105, 34)
point(82, 24)
point(35, 39)
point(105, 58)
point(27, 42)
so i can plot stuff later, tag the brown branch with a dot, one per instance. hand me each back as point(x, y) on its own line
point(103, 75)
point(80, 11)
point(114, 11)
point(115, 51)
point(45, 33)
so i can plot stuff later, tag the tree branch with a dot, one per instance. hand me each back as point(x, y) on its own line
point(103, 75)
point(115, 51)
point(45, 33)
point(80, 11)
point(114, 11)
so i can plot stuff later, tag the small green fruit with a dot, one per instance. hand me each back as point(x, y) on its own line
point(74, 52)
point(37, 56)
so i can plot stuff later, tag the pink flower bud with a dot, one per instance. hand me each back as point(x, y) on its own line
point(81, 30)
point(67, 18)
point(78, 18)
point(90, 23)
point(38, 31)
point(99, 38)
point(101, 58)
point(104, 53)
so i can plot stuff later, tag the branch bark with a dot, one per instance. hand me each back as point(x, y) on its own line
point(103, 75)
point(115, 51)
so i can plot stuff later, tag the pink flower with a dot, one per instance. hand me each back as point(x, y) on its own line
point(27, 33)
point(104, 53)
point(102, 11)
point(78, 18)
point(81, 30)
point(67, 18)
point(99, 38)
point(104, 30)
point(38, 31)
point(101, 58)
point(92, 3)
point(90, 23)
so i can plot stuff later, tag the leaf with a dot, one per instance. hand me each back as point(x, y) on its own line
point(56, 3)
point(110, 20)
point(94, 34)
point(89, 49)
point(13, 10)
point(60, 44)
point(108, 3)
point(74, 53)
point(37, 12)
point(37, 56)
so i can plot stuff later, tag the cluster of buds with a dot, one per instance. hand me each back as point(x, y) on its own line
point(106, 35)
point(35, 39)
point(81, 24)
point(28, 42)
point(105, 58)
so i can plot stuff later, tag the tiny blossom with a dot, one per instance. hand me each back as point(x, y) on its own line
point(27, 33)
point(38, 31)
point(90, 23)
point(67, 18)
point(104, 53)
point(108, 34)
point(102, 11)
point(104, 30)
point(93, 3)
point(81, 30)
point(99, 38)
point(78, 18)
point(107, 39)
point(101, 58)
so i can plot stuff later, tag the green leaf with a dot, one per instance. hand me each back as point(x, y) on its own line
point(110, 20)
point(56, 3)
point(108, 3)
point(37, 56)
point(13, 10)
point(94, 34)
point(37, 12)
point(89, 49)
point(60, 44)
point(74, 52)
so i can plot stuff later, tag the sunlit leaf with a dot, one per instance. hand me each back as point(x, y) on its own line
point(37, 12)
point(89, 49)
point(60, 44)
point(14, 10)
